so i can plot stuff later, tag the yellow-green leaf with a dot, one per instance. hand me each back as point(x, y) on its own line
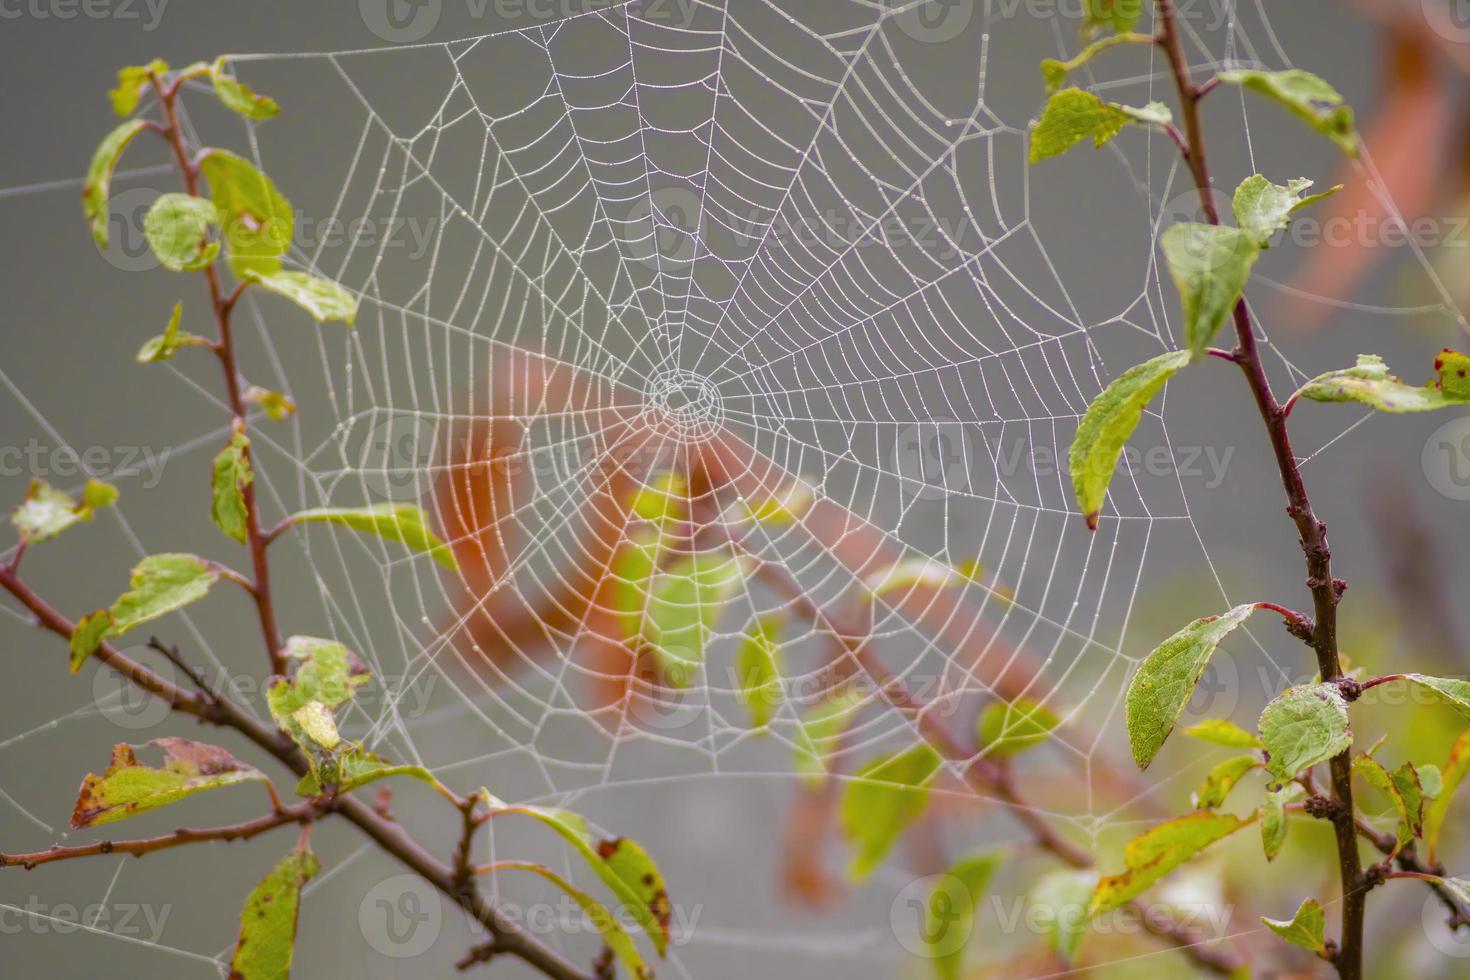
point(164, 346)
point(1210, 265)
point(821, 727)
point(1218, 731)
point(622, 864)
point(607, 925)
point(1307, 97)
point(1453, 773)
point(130, 84)
point(1306, 725)
point(268, 921)
point(99, 176)
point(239, 96)
point(1007, 728)
point(759, 669)
point(1055, 71)
point(321, 676)
point(355, 767)
point(950, 911)
point(1274, 818)
point(160, 585)
point(1158, 851)
point(1263, 208)
point(672, 612)
point(177, 227)
point(129, 787)
point(1107, 424)
point(1222, 780)
point(1305, 929)
point(1116, 15)
point(905, 575)
point(232, 474)
point(1370, 383)
point(1165, 681)
point(46, 511)
point(883, 797)
point(322, 298)
point(256, 220)
point(277, 406)
point(1073, 115)
point(406, 524)
point(1450, 690)
point(664, 498)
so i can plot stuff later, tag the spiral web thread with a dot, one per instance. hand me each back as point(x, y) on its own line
point(755, 220)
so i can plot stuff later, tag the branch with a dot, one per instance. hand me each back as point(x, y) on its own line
point(300, 813)
point(1326, 590)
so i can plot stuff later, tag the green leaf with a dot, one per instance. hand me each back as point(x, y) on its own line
point(322, 298)
point(1055, 72)
point(1158, 851)
point(160, 585)
point(1222, 780)
point(1305, 929)
point(1453, 773)
point(1107, 424)
point(99, 176)
point(904, 576)
point(1274, 818)
point(613, 934)
point(406, 524)
point(781, 508)
point(1210, 265)
point(884, 796)
point(238, 96)
point(672, 612)
point(821, 727)
point(167, 344)
point(232, 474)
point(1164, 682)
point(622, 864)
point(1221, 732)
point(128, 787)
point(1306, 96)
point(268, 921)
point(1382, 780)
point(1369, 382)
point(1263, 208)
point(177, 228)
point(1064, 896)
point(1454, 374)
point(1073, 114)
point(46, 511)
point(131, 81)
point(759, 669)
point(950, 911)
point(256, 220)
point(1119, 15)
point(321, 676)
point(1449, 690)
point(1304, 726)
point(357, 767)
point(277, 406)
point(1008, 728)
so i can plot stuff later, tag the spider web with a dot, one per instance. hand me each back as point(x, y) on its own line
point(776, 237)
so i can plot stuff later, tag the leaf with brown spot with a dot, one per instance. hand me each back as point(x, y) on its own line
point(268, 922)
point(128, 787)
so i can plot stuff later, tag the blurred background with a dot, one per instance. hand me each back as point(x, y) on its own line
point(939, 419)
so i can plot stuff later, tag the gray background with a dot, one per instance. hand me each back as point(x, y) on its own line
point(72, 323)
